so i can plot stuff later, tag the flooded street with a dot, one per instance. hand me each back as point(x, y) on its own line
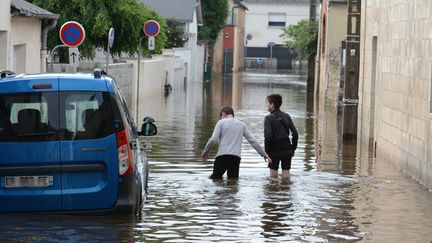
point(333, 195)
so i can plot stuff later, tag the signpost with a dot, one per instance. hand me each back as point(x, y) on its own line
point(271, 44)
point(72, 34)
point(73, 57)
point(151, 29)
point(110, 45)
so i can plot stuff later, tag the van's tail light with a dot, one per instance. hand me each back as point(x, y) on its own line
point(124, 154)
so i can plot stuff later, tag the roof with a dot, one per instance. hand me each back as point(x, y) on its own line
point(241, 3)
point(26, 9)
point(181, 10)
point(282, 2)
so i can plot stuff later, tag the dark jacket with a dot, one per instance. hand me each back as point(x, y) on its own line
point(276, 136)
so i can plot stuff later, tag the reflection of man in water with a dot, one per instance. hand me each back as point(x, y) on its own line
point(229, 132)
point(276, 208)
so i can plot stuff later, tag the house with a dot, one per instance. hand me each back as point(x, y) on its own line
point(23, 33)
point(264, 22)
point(395, 98)
point(228, 51)
point(330, 56)
point(189, 13)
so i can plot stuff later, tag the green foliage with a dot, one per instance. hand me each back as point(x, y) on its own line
point(302, 38)
point(175, 34)
point(127, 17)
point(215, 12)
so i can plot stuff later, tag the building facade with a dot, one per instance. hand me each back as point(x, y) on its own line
point(395, 104)
point(189, 13)
point(228, 51)
point(264, 23)
point(22, 36)
point(330, 56)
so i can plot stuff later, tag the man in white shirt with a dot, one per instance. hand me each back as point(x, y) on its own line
point(229, 133)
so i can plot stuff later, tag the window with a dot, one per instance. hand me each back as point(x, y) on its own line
point(87, 115)
point(39, 116)
point(28, 117)
point(276, 19)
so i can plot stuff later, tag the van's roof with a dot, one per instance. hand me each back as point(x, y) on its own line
point(51, 75)
point(70, 81)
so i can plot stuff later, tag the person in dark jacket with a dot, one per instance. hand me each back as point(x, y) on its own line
point(278, 126)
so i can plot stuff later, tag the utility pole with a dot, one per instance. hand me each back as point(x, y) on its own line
point(350, 100)
point(311, 60)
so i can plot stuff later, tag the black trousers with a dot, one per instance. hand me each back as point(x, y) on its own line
point(229, 163)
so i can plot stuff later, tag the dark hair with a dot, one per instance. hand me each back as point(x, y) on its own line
point(275, 99)
point(227, 110)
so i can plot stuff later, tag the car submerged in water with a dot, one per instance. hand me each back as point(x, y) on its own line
point(68, 144)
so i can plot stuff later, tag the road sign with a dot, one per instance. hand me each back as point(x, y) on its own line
point(151, 28)
point(260, 61)
point(74, 56)
point(72, 34)
point(111, 37)
point(151, 43)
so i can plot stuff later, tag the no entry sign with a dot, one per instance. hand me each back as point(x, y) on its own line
point(151, 28)
point(72, 34)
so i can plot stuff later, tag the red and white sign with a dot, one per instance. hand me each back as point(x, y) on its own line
point(72, 34)
point(151, 28)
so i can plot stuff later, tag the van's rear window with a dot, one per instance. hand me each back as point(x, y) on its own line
point(50, 116)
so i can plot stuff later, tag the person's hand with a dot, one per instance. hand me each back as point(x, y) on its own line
point(204, 157)
point(268, 159)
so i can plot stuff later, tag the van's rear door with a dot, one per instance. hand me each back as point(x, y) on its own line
point(88, 145)
point(30, 178)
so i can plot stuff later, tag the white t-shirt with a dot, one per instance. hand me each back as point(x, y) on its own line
point(229, 133)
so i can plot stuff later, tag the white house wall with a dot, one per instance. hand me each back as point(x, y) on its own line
point(4, 33)
point(25, 33)
point(257, 22)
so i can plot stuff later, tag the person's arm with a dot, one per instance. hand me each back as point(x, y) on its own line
point(294, 134)
point(214, 138)
point(252, 141)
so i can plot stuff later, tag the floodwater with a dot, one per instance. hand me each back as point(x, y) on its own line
point(336, 193)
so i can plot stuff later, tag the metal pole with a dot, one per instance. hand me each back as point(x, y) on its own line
point(107, 57)
point(138, 76)
point(52, 55)
point(271, 52)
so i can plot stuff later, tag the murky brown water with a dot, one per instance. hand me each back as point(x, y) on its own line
point(333, 195)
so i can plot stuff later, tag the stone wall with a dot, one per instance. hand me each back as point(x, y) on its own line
point(395, 83)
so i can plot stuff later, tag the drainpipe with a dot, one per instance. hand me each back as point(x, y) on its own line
point(44, 37)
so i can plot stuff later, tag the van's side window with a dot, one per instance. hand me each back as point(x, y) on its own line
point(87, 115)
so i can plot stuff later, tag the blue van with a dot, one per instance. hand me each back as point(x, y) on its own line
point(68, 144)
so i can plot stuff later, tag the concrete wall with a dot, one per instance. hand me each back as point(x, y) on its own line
point(257, 21)
point(217, 55)
point(4, 33)
point(395, 83)
point(332, 33)
point(25, 45)
point(240, 40)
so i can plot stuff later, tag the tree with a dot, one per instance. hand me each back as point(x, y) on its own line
point(175, 34)
point(215, 12)
point(98, 16)
point(302, 38)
